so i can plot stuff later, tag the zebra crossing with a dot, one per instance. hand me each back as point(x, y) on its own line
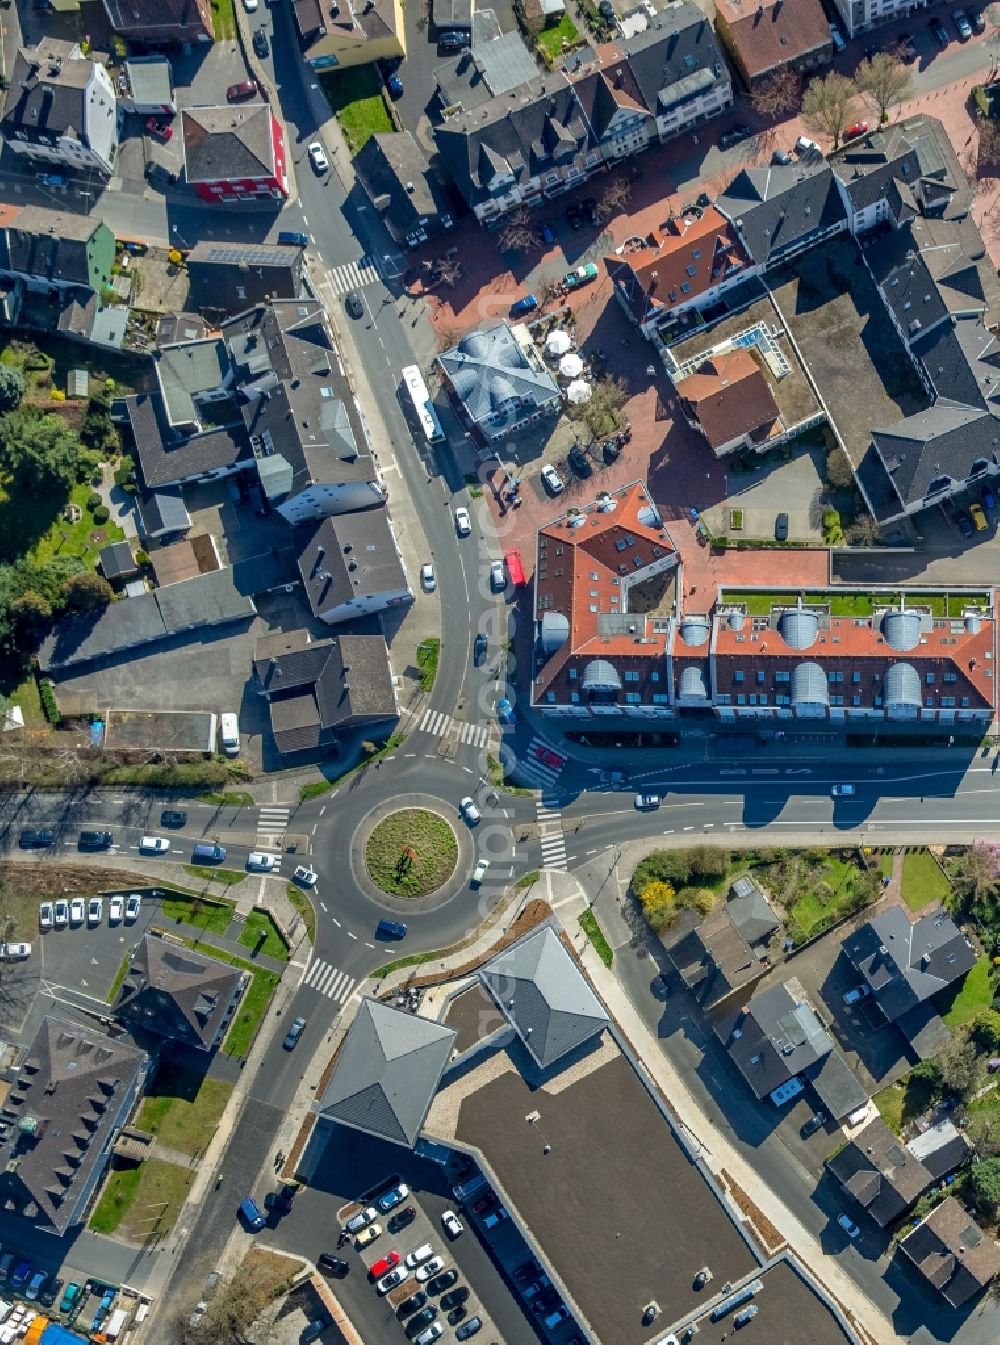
point(354, 275)
point(537, 772)
point(272, 823)
point(550, 835)
point(324, 978)
point(441, 725)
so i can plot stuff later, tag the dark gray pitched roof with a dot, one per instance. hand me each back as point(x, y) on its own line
point(750, 911)
point(227, 143)
point(74, 1090)
point(915, 155)
point(490, 70)
point(943, 441)
point(953, 1253)
point(880, 1172)
point(676, 57)
point(47, 92)
point(229, 278)
point(905, 963)
point(164, 511)
point(544, 996)
point(178, 993)
point(387, 1072)
point(777, 206)
point(166, 457)
point(117, 560)
point(774, 1037)
point(941, 1148)
point(396, 174)
point(286, 661)
point(349, 557)
point(51, 244)
point(165, 20)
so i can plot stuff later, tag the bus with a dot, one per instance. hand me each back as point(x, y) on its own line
point(423, 407)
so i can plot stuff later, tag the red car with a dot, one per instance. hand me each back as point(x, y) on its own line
point(160, 129)
point(383, 1267)
point(859, 128)
point(547, 757)
point(247, 89)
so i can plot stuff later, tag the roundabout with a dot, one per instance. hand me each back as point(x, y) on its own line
point(411, 853)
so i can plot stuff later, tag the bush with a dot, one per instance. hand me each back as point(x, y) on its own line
point(93, 501)
point(659, 904)
point(986, 1030)
point(708, 862)
point(984, 1178)
point(667, 866)
point(141, 557)
point(102, 513)
point(11, 387)
point(58, 395)
point(48, 699)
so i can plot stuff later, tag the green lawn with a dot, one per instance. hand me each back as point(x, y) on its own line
point(261, 933)
point(119, 977)
point(550, 40)
point(83, 539)
point(182, 1109)
point(856, 604)
point(228, 877)
point(825, 896)
point(923, 880)
point(356, 99)
point(315, 790)
point(959, 1004)
point(233, 798)
point(25, 694)
point(223, 19)
point(300, 900)
point(211, 914)
point(900, 1103)
point(410, 853)
point(593, 931)
point(138, 1201)
point(428, 653)
point(252, 1006)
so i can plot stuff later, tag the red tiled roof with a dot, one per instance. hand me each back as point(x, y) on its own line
point(730, 397)
point(768, 35)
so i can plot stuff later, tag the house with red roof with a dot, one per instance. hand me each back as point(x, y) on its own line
point(763, 37)
point(730, 401)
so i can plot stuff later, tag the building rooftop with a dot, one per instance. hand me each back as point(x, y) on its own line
point(350, 557)
point(50, 244)
point(776, 206)
point(47, 91)
point(117, 561)
point(494, 379)
point(166, 456)
point(178, 993)
point(227, 143)
point(387, 1072)
point(774, 1037)
point(492, 70)
point(880, 1172)
point(774, 34)
point(187, 372)
point(953, 1253)
point(395, 172)
point(905, 962)
point(730, 396)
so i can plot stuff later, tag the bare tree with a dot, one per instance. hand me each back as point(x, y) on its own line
point(884, 81)
point(839, 472)
point(779, 94)
point(614, 198)
point(828, 105)
point(447, 337)
point(448, 271)
point(988, 154)
point(864, 531)
point(517, 234)
point(602, 414)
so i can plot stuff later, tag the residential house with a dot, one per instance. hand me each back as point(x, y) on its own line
point(780, 210)
point(952, 1253)
point(60, 110)
point(730, 949)
point(905, 169)
point(862, 16)
point(519, 150)
point(235, 152)
point(729, 399)
point(161, 22)
point(397, 177)
point(488, 68)
point(763, 39)
point(612, 102)
point(73, 1091)
point(354, 32)
point(178, 993)
point(678, 67)
point(387, 1072)
point(195, 378)
point(880, 1172)
point(544, 996)
point(228, 278)
point(777, 1041)
point(57, 251)
point(163, 512)
point(318, 690)
point(145, 87)
point(168, 455)
point(351, 566)
point(308, 440)
point(903, 962)
point(687, 266)
point(499, 386)
point(117, 562)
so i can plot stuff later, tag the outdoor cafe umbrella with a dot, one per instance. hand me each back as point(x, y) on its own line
point(579, 391)
point(557, 343)
point(571, 366)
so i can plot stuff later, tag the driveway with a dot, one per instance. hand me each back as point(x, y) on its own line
point(775, 485)
point(201, 76)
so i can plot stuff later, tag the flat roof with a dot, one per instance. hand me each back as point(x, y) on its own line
point(789, 1313)
point(166, 730)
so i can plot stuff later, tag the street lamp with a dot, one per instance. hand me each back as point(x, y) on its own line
point(177, 234)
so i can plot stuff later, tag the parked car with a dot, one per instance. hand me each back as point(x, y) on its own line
point(317, 157)
point(849, 1227)
point(781, 156)
point(978, 517)
point(469, 811)
point(453, 41)
point(293, 1034)
point(988, 498)
point(457, 1296)
point(434, 1332)
point(607, 11)
point(551, 480)
point(463, 523)
point(734, 136)
point(521, 307)
point(132, 907)
point(419, 1255)
point(547, 757)
point(69, 1298)
point(495, 1217)
point(6, 1261)
point(60, 914)
point(260, 862)
point(423, 1319)
point(859, 993)
point(76, 911)
point(806, 146)
point(95, 840)
point(412, 1304)
point(401, 1219)
point(333, 1265)
point(579, 462)
point(14, 952)
point(428, 581)
point(252, 1214)
point(390, 1199)
point(395, 85)
point(506, 712)
point(45, 916)
point(647, 803)
point(293, 238)
point(314, 1329)
point(430, 1268)
point(162, 130)
point(392, 1279)
point(858, 128)
point(51, 1292)
point(938, 31)
point(383, 1265)
point(442, 1282)
point(498, 579)
point(838, 37)
point(173, 817)
point(452, 1224)
point(978, 20)
point(480, 647)
point(153, 845)
point(21, 1275)
point(390, 929)
point(816, 1122)
point(368, 1235)
point(32, 839)
point(781, 528)
point(965, 525)
point(355, 308)
point(247, 88)
point(961, 21)
point(468, 1329)
point(304, 875)
point(34, 1286)
point(362, 1219)
point(116, 910)
point(843, 791)
point(95, 910)
point(581, 275)
point(479, 873)
point(260, 43)
point(545, 234)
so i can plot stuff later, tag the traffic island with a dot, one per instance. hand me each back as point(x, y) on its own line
point(411, 853)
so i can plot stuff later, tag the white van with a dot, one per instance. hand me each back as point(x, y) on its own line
point(229, 734)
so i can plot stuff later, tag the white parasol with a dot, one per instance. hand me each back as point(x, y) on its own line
point(578, 392)
point(571, 366)
point(557, 343)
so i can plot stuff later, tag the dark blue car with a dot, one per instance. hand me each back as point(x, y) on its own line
point(390, 929)
point(520, 307)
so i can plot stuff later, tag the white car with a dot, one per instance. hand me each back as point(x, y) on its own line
point(434, 1332)
point(153, 845)
point(251, 6)
point(806, 146)
point(14, 952)
point(427, 577)
point(258, 862)
point(132, 907)
point(95, 910)
point(453, 1225)
point(362, 1219)
point(418, 1257)
point(76, 911)
point(116, 910)
point(498, 578)
point(479, 873)
point(430, 1268)
point(391, 1279)
point(60, 914)
point(469, 811)
point(45, 916)
point(551, 480)
point(463, 523)
point(305, 875)
point(843, 791)
point(317, 157)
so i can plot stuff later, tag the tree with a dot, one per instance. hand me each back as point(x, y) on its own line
point(828, 105)
point(961, 1067)
point(983, 1134)
point(86, 591)
point(708, 861)
point(11, 387)
point(839, 472)
point(614, 198)
point(978, 872)
point(30, 611)
point(884, 81)
point(984, 1178)
point(98, 432)
point(669, 866)
point(659, 904)
point(986, 1030)
point(448, 271)
point(864, 531)
point(602, 414)
point(517, 234)
point(779, 94)
point(988, 151)
point(38, 451)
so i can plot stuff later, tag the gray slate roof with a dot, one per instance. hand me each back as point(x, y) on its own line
point(177, 993)
point(164, 511)
point(47, 92)
point(490, 373)
point(776, 206)
point(231, 277)
point(906, 963)
point(49, 244)
point(750, 911)
point(75, 1089)
point(544, 996)
point(492, 70)
point(387, 1072)
point(394, 171)
point(915, 154)
point(167, 457)
point(676, 58)
point(953, 1253)
point(779, 1036)
point(228, 143)
point(117, 560)
point(878, 1170)
point(352, 556)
